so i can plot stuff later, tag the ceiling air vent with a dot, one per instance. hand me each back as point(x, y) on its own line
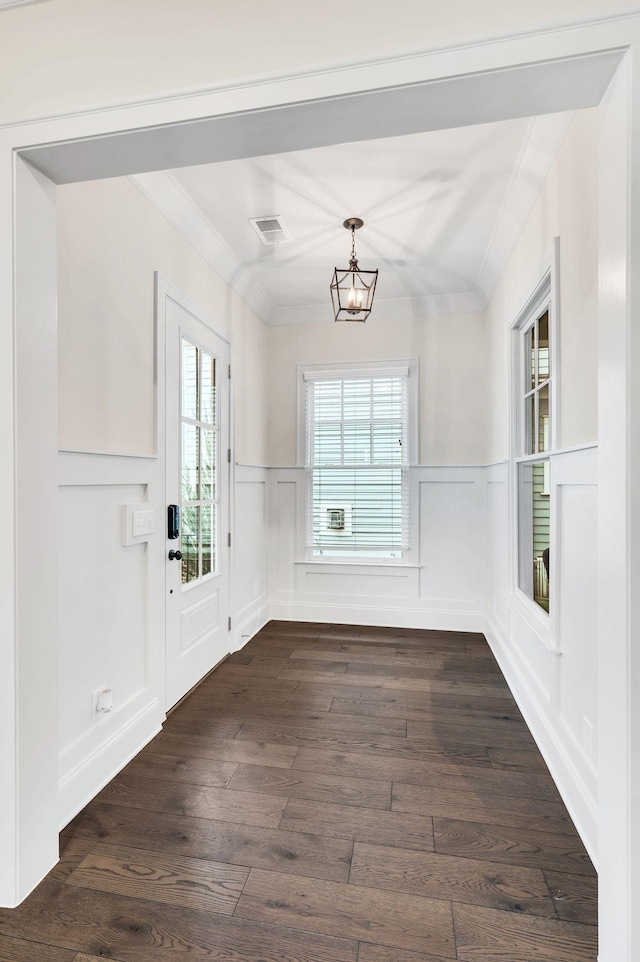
point(270, 230)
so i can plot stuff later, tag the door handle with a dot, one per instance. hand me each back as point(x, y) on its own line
point(177, 555)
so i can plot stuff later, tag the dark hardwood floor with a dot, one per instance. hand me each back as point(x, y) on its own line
point(328, 794)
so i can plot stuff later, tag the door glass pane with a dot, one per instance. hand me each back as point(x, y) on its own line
point(189, 380)
point(208, 539)
point(544, 365)
point(544, 419)
point(533, 531)
point(208, 453)
point(190, 530)
point(190, 465)
point(208, 402)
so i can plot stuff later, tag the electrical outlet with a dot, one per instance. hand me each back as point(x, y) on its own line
point(587, 736)
point(101, 702)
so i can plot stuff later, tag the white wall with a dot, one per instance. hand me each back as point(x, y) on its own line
point(551, 663)
point(452, 356)
point(111, 240)
point(442, 584)
point(46, 47)
point(568, 208)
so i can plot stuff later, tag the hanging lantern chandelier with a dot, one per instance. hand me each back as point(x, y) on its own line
point(352, 290)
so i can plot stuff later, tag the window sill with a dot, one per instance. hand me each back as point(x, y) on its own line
point(355, 563)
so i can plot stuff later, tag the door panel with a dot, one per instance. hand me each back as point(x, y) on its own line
point(197, 480)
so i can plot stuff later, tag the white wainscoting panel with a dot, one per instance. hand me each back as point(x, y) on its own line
point(250, 601)
point(441, 586)
point(111, 621)
point(550, 663)
point(451, 528)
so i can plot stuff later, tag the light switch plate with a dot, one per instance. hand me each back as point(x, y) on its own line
point(138, 523)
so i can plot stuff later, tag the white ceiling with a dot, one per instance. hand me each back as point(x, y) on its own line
point(443, 211)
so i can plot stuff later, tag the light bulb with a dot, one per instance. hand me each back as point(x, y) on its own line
point(354, 298)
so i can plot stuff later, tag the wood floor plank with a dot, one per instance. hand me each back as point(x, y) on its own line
point(404, 921)
point(575, 896)
point(439, 666)
point(376, 658)
point(219, 725)
point(392, 747)
point(171, 879)
point(181, 768)
point(384, 704)
point(477, 882)
point(173, 743)
point(24, 950)
point(317, 787)
point(512, 845)
point(271, 667)
point(195, 801)
point(329, 721)
point(358, 824)
point(493, 809)
point(410, 683)
point(244, 696)
point(494, 732)
point(483, 781)
point(384, 953)
point(411, 771)
point(135, 930)
point(313, 855)
point(486, 935)
point(517, 759)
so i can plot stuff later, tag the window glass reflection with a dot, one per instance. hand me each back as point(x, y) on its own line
point(533, 531)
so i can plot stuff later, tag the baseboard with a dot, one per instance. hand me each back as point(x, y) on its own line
point(79, 785)
point(378, 616)
point(581, 805)
point(250, 621)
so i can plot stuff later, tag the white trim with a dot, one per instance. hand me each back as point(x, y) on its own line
point(384, 309)
point(168, 197)
point(251, 620)
point(542, 290)
point(360, 369)
point(471, 51)
point(109, 454)
point(571, 784)
point(95, 770)
point(434, 619)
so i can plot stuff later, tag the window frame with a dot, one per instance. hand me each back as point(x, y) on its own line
point(543, 293)
point(346, 369)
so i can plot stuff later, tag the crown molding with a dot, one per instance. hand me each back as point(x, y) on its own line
point(391, 309)
point(169, 198)
point(540, 147)
point(410, 60)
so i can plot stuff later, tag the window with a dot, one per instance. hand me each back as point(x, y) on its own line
point(199, 457)
point(534, 441)
point(358, 448)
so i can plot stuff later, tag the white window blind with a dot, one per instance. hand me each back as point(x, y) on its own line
point(357, 463)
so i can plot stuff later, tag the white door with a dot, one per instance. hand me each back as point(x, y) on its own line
point(197, 481)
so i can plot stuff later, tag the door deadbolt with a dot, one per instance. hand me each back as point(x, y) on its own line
point(177, 555)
